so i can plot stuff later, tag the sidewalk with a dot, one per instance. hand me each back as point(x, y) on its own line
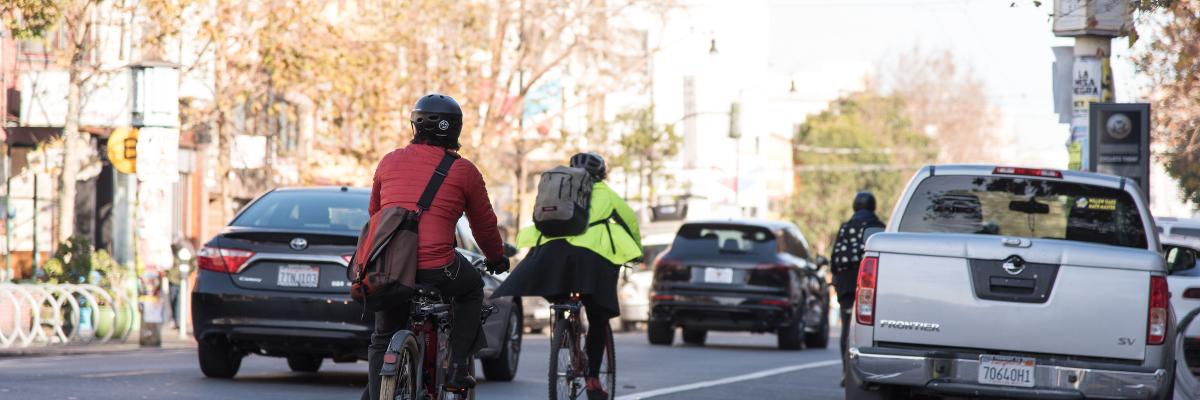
point(170, 341)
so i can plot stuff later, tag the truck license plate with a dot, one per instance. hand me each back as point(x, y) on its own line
point(1006, 371)
point(305, 276)
point(718, 275)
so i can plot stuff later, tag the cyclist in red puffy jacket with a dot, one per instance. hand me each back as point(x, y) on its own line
point(400, 179)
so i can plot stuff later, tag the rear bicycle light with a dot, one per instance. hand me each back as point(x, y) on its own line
point(1156, 325)
point(222, 260)
point(864, 303)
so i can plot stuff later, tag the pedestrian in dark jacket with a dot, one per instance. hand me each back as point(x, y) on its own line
point(400, 179)
point(848, 251)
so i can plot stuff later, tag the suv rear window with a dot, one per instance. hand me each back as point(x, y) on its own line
point(336, 211)
point(1036, 208)
point(725, 239)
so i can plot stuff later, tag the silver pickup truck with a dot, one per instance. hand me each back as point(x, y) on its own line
point(1013, 283)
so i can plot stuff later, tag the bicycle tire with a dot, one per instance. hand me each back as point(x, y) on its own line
point(405, 379)
point(561, 350)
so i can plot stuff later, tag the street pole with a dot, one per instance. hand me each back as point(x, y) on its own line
point(1093, 25)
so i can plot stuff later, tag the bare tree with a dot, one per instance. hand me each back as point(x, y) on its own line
point(948, 102)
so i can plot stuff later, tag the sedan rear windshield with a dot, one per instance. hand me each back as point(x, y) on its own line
point(1035, 208)
point(310, 210)
point(724, 239)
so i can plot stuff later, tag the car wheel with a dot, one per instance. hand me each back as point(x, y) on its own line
point(304, 362)
point(218, 358)
point(660, 333)
point(819, 339)
point(694, 336)
point(503, 368)
point(791, 337)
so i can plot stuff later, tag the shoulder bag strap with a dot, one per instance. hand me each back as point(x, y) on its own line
point(435, 182)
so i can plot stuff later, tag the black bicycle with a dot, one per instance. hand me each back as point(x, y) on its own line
point(568, 360)
point(416, 365)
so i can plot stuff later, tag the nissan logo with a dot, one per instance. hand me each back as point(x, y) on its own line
point(1014, 265)
point(299, 244)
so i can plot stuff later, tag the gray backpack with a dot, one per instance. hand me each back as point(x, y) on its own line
point(563, 197)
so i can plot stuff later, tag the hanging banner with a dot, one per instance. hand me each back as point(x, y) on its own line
point(1086, 88)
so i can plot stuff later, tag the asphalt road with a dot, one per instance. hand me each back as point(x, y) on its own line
point(732, 365)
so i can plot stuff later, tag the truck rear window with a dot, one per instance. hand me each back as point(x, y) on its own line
point(724, 238)
point(1035, 208)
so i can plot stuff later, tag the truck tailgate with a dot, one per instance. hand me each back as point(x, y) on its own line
point(941, 300)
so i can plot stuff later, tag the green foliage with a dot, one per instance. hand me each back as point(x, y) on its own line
point(644, 146)
point(29, 19)
point(75, 262)
point(864, 141)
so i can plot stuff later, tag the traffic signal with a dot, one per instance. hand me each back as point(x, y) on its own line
point(122, 149)
point(1119, 141)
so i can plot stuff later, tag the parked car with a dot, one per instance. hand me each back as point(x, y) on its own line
point(634, 290)
point(1183, 234)
point(274, 283)
point(1033, 284)
point(740, 275)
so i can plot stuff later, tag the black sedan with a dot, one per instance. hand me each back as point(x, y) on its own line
point(745, 275)
point(274, 283)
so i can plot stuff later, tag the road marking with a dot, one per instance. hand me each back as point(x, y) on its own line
point(121, 374)
point(725, 381)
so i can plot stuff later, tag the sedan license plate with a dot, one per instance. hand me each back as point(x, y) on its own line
point(305, 276)
point(1006, 371)
point(718, 275)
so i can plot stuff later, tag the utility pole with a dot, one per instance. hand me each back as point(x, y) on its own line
point(1093, 24)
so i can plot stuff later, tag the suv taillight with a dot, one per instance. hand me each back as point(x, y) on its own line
point(864, 303)
point(671, 270)
point(777, 275)
point(1156, 327)
point(217, 259)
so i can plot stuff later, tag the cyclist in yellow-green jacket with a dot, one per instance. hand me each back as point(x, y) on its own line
point(588, 263)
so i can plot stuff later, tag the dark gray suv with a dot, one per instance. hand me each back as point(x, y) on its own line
point(740, 275)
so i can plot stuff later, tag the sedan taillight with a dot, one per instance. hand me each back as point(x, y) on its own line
point(1156, 326)
point(222, 260)
point(864, 303)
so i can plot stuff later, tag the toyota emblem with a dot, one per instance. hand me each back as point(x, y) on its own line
point(1014, 265)
point(299, 244)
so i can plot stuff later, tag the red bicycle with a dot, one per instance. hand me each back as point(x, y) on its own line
point(417, 362)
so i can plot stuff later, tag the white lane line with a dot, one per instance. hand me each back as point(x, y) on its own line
point(725, 381)
point(120, 374)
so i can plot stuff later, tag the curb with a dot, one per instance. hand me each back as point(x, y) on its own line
point(73, 350)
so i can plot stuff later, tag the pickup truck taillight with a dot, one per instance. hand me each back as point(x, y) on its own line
point(1156, 327)
point(217, 259)
point(864, 303)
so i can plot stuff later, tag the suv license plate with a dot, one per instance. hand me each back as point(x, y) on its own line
point(305, 276)
point(718, 275)
point(1006, 371)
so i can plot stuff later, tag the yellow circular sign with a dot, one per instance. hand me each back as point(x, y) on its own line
point(122, 149)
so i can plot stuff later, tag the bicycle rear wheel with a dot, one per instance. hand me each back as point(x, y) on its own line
point(566, 381)
point(403, 385)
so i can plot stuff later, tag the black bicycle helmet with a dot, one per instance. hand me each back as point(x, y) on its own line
point(592, 162)
point(437, 119)
point(864, 201)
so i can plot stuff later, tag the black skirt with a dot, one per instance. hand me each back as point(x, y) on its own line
point(556, 269)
